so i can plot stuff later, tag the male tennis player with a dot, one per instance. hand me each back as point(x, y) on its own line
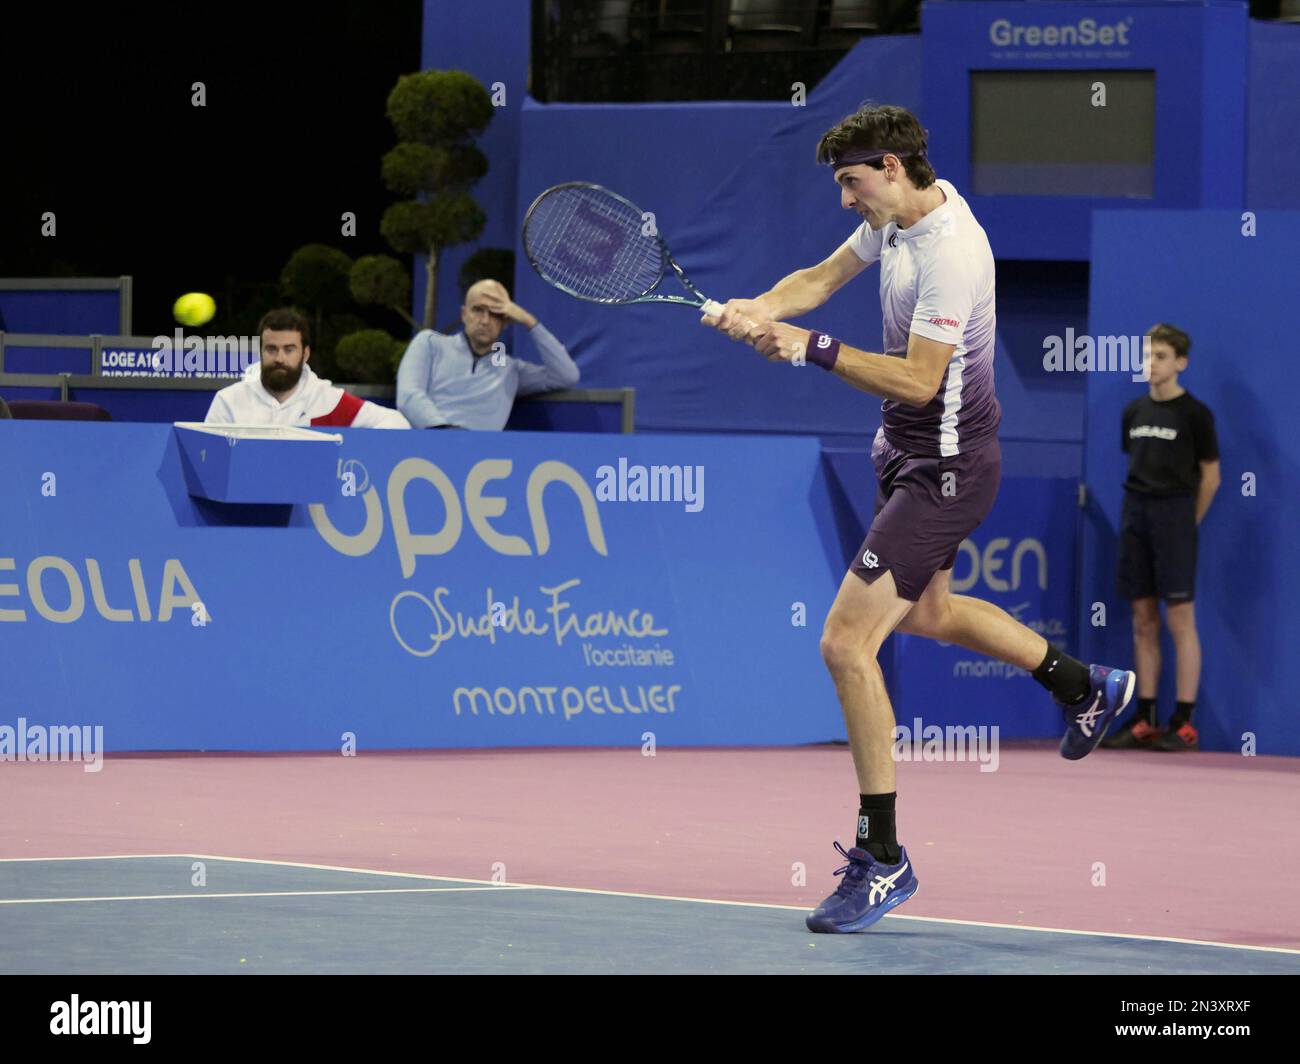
point(937, 465)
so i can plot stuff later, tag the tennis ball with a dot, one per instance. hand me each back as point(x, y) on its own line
point(194, 308)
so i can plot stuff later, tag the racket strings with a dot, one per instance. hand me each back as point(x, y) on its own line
point(591, 244)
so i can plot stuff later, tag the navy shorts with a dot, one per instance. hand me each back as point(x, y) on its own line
point(925, 507)
point(1157, 547)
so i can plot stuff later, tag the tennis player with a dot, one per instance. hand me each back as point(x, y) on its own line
point(937, 465)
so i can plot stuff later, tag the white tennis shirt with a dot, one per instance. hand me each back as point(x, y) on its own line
point(937, 280)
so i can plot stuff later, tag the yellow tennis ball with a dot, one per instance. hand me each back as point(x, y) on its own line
point(194, 308)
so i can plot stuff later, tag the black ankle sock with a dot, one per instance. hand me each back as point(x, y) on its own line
point(1182, 714)
point(1066, 678)
point(1146, 711)
point(876, 827)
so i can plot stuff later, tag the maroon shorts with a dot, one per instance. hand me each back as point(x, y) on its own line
point(925, 507)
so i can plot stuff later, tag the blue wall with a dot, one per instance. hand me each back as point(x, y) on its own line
point(1233, 294)
point(1273, 116)
point(490, 40)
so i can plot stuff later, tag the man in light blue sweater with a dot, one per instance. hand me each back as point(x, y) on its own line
point(461, 382)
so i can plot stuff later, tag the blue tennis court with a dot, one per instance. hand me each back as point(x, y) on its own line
point(143, 915)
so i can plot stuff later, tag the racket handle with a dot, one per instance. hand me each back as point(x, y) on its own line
point(714, 309)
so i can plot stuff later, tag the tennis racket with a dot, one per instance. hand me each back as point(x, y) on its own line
point(593, 244)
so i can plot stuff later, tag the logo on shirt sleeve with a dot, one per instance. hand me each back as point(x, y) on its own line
point(945, 321)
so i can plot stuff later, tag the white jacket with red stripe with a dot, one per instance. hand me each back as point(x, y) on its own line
point(314, 401)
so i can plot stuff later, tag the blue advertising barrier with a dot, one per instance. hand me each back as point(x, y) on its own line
point(475, 590)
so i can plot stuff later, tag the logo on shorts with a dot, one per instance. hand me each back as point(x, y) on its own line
point(870, 560)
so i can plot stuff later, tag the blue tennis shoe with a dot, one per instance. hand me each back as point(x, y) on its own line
point(868, 890)
point(1088, 720)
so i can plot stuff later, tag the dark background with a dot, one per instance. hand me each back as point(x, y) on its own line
point(96, 125)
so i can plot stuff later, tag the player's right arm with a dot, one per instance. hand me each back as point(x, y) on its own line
point(797, 294)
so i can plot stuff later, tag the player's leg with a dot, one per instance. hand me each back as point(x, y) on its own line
point(947, 499)
point(1091, 696)
point(1146, 645)
point(1140, 731)
point(1187, 648)
point(878, 876)
point(870, 603)
point(1181, 733)
point(860, 619)
point(1174, 541)
point(1136, 584)
point(975, 624)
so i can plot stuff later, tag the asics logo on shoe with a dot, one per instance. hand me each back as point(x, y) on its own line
point(870, 560)
point(882, 885)
point(1088, 717)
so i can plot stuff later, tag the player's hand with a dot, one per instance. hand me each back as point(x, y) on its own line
point(739, 317)
point(511, 311)
point(779, 342)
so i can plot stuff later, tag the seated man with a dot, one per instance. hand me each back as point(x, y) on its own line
point(461, 382)
point(281, 389)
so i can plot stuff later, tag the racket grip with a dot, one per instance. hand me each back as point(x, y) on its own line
point(714, 309)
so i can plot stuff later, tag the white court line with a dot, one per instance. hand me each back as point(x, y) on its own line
point(703, 901)
point(258, 894)
point(766, 905)
point(102, 857)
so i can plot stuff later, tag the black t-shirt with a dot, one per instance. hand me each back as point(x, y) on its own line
point(1166, 442)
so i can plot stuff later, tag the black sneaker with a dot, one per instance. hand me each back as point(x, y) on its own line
point(1185, 738)
point(1139, 736)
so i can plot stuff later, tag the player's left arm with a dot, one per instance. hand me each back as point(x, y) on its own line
point(1205, 442)
point(558, 370)
point(1210, 481)
point(912, 380)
